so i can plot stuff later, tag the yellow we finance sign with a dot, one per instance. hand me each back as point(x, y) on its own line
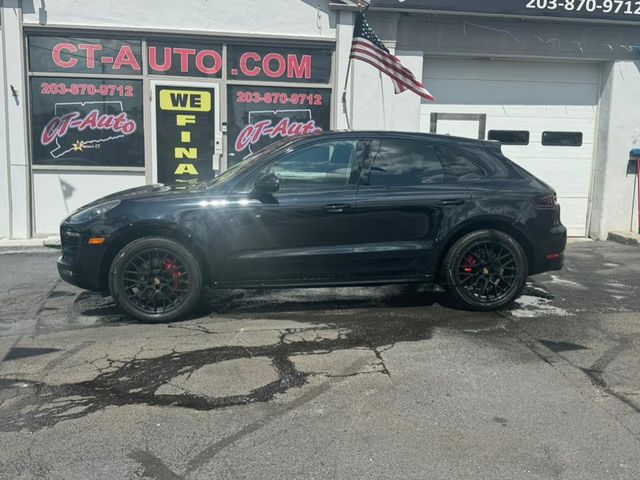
point(185, 100)
point(185, 124)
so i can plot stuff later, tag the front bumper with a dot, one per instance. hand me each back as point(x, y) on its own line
point(80, 264)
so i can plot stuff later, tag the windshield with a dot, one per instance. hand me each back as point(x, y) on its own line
point(252, 159)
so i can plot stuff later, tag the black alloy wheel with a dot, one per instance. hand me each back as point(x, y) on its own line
point(155, 280)
point(486, 270)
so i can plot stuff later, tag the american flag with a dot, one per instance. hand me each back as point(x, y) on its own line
point(368, 48)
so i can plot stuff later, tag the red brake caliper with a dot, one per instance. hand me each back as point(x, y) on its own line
point(469, 262)
point(170, 267)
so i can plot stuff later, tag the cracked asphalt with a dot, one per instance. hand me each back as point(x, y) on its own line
point(390, 382)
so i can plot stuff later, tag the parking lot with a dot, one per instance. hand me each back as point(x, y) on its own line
point(390, 382)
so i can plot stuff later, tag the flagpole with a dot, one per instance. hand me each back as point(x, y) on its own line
point(344, 94)
point(363, 6)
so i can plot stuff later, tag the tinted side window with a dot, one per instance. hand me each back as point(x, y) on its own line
point(401, 163)
point(323, 164)
point(459, 167)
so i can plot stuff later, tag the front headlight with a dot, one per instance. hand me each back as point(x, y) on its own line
point(93, 212)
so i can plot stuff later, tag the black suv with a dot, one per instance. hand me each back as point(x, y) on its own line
point(336, 209)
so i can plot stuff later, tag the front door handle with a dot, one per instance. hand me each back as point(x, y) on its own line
point(455, 201)
point(337, 208)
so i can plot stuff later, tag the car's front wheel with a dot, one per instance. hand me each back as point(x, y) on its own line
point(486, 270)
point(155, 279)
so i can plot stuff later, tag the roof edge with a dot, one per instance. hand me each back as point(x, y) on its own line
point(346, 5)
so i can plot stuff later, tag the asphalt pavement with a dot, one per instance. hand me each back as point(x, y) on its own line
point(389, 382)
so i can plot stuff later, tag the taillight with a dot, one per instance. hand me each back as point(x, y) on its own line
point(550, 200)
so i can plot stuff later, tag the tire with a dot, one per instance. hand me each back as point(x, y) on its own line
point(486, 270)
point(155, 280)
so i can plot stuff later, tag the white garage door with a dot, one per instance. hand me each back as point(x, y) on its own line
point(521, 103)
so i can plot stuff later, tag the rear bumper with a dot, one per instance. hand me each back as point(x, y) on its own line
point(548, 254)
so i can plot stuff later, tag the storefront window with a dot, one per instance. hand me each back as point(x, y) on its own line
point(88, 108)
point(92, 121)
point(87, 122)
point(259, 116)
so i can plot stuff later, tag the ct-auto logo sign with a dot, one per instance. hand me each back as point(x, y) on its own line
point(86, 121)
point(74, 120)
point(609, 10)
point(265, 126)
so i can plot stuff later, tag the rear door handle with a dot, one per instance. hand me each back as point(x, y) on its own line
point(455, 201)
point(337, 208)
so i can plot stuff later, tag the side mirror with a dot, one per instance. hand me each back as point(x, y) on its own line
point(267, 184)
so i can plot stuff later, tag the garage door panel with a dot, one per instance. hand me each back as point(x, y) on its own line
point(579, 182)
point(551, 122)
point(539, 153)
point(509, 70)
point(561, 186)
point(564, 189)
point(542, 112)
point(539, 125)
point(570, 173)
point(573, 213)
point(564, 167)
point(573, 167)
point(505, 93)
point(533, 96)
point(499, 120)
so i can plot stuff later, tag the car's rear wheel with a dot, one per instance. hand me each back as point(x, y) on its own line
point(155, 279)
point(486, 270)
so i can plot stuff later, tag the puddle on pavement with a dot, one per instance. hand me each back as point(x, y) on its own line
point(535, 301)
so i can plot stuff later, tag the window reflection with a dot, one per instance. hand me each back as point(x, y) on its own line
point(321, 164)
point(405, 163)
point(458, 167)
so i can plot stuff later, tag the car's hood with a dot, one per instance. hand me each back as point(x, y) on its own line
point(146, 192)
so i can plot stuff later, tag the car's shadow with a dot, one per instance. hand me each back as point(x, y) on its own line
point(279, 303)
point(325, 299)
